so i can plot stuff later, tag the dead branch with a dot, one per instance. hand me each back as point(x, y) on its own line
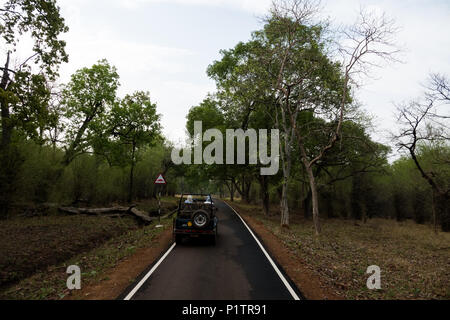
point(111, 212)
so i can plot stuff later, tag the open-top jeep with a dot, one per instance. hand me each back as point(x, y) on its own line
point(196, 217)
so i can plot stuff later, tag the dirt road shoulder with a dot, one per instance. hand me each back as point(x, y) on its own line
point(308, 283)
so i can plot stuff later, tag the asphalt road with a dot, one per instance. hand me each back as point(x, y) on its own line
point(234, 269)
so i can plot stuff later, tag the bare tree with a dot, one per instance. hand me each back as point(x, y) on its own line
point(290, 14)
point(367, 43)
point(426, 122)
point(438, 90)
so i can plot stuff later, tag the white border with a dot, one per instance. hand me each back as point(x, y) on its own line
point(144, 279)
point(283, 279)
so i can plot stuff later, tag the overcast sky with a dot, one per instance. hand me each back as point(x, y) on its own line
point(165, 46)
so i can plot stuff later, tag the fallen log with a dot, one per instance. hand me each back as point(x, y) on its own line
point(116, 215)
point(69, 210)
point(170, 214)
point(110, 212)
point(95, 211)
point(141, 215)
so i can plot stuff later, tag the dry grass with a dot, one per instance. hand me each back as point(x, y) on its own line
point(28, 245)
point(35, 252)
point(50, 284)
point(414, 261)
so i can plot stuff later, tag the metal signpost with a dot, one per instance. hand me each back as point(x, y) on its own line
point(160, 181)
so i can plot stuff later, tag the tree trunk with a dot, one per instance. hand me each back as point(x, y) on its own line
point(143, 216)
point(230, 187)
point(6, 124)
point(433, 209)
point(6, 118)
point(71, 152)
point(443, 209)
point(7, 154)
point(364, 213)
point(130, 189)
point(287, 160)
point(264, 181)
point(247, 193)
point(307, 205)
point(284, 204)
point(133, 163)
point(244, 190)
point(315, 199)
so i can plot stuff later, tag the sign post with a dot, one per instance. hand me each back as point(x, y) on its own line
point(160, 181)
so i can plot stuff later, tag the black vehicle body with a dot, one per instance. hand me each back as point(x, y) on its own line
point(196, 218)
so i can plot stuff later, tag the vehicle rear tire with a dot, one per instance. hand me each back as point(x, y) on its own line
point(201, 219)
point(178, 238)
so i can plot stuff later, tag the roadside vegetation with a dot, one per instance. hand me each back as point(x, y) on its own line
point(31, 245)
point(414, 261)
point(36, 252)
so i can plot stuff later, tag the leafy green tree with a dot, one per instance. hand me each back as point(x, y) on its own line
point(22, 96)
point(306, 84)
point(209, 113)
point(244, 98)
point(31, 108)
point(212, 117)
point(86, 99)
point(306, 79)
point(133, 124)
point(42, 20)
point(356, 160)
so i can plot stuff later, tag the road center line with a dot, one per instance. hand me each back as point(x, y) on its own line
point(280, 274)
point(144, 279)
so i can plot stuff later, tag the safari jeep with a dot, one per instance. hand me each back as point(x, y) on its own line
point(196, 217)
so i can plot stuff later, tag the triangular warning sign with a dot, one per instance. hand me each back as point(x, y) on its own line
point(160, 180)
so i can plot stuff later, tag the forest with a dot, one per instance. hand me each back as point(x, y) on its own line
point(80, 143)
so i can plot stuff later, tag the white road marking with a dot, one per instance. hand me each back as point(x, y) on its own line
point(139, 285)
point(283, 279)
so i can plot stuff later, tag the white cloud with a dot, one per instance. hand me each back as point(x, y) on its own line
point(145, 67)
point(427, 49)
point(253, 6)
point(130, 57)
point(174, 99)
